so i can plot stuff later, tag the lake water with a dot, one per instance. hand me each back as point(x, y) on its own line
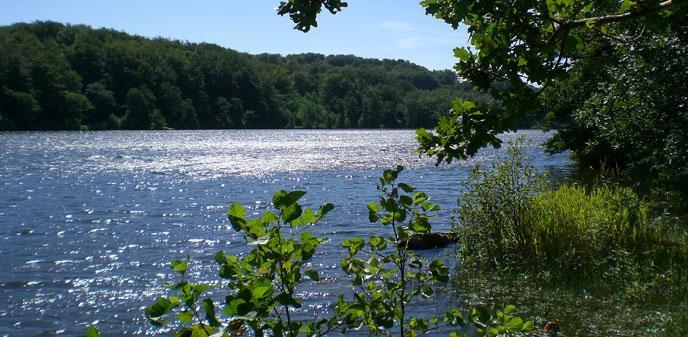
point(90, 220)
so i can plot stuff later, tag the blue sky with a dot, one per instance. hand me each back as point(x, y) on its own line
point(397, 29)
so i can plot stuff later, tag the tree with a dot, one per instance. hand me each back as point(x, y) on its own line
point(520, 49)
point(104, 103)
point(526, 43)
point(636, 119)
point(74, 107)
point(140, 109)
point(202, 85)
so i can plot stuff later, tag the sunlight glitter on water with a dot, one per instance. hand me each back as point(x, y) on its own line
point(89, 220)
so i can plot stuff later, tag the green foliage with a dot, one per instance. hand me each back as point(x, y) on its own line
point(304, 12)
point(261, 284)
point(389, 276)
point(509, 219)
point(491, 211)
point(264, 282)
point(55, 76)
point(92, 332)
point(605, 308)
point(598, 64)
point(607, 124)
point(572, 230)
point(531, 42)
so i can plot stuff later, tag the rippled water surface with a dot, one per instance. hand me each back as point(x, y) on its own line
point(89, 221)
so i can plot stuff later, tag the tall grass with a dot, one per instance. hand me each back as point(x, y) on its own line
point(510, 218)
point(572, 231)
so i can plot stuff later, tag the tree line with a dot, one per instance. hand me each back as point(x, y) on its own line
point(72, 77)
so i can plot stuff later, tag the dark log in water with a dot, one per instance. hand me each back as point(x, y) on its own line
point(420, 241)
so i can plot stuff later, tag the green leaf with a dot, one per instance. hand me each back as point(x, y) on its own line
point(259, 241)
point(426, 291)
point(430, 207)
point(509, 309)
point(288, 300)
point(307, 217)
point(527, 326)
point(480, 314)
point(354, 245)
point(572, 44)
point(420, 227)
point(185, 316)
point(92, 332)
point(279, 199)
point(291, 213)
point(158, 309)
point(209, 308)
point(419, 197)
point(377, 243)
point(313, 274)
point(324, 209)
point(268, 218)
point(407, 188)
point(294, 196)
point(405, 201)
point(626, 6)
point(262, 289)
point(388, 176)
point(233, 307)
point(179, 266)
point(374, 207)
point(237, 214)
point(282, 199)
point(462, 54)
point(515, 323)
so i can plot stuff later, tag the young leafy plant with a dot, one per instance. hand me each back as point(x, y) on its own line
point(262, 284)
point(389, 275)
point(197, 317)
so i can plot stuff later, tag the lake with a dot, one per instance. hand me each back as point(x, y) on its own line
point(90, 220)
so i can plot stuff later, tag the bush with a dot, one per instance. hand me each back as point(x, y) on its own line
point(491, 211)
point(508, 218)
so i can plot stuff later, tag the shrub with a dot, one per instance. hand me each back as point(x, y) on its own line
point(490, 215)
point(509, 218)
point(261, 284)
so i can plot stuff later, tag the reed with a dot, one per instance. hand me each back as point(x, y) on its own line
point(510, 219)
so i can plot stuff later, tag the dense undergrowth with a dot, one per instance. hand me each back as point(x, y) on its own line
point(599, 252)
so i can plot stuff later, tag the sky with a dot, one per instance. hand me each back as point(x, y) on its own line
point(395, 29)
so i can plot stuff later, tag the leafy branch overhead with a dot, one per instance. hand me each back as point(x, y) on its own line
point(518, 49)
point(304, 12)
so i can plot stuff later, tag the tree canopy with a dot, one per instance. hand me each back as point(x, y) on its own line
point(56, 77)
point(611, 75)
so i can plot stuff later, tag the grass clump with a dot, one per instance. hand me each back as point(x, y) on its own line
point(599, 260)
point(510, 218)
point(575, 232)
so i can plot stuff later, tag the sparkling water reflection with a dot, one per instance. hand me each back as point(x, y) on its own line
point(88, 221)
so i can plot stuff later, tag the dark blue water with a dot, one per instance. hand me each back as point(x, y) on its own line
point(90, 220)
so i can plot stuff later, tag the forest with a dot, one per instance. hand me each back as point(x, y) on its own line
point(72, 77)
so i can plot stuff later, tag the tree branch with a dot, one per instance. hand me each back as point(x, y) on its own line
point(627, 15)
